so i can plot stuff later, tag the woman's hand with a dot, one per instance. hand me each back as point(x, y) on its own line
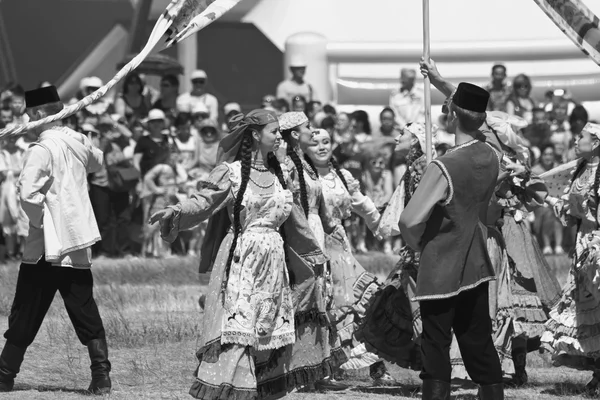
point(515, 168)
point(165, 218)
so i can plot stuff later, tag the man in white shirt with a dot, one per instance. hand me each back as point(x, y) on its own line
point(198, 95)
point(296, 86)
point(57, 254)
point(407, 102)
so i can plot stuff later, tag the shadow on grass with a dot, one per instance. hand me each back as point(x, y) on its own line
point(565, 389)
point(43, 388)
point(400, 390)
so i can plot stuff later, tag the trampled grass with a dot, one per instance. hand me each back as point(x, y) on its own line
point(151, 314)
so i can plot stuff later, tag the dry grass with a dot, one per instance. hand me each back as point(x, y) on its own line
point(151, 315)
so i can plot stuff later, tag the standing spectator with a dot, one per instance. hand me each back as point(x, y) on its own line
point(110, 200)
point(207, 146)
point(561, 130)
point(520, 102)
point(131, 103)
point(167, 101)
point(17, 105)
point(498, 89)
point(296, 86)
point(153, 148)
point(407, 102)
point(312, 109)
point(280, 106)
point(267, 101)
point(187, 101)
point(328, 123)
point(87, 86)
point(546, 224)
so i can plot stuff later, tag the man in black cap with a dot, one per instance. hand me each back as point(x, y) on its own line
point(443, 220)
point(57, 255)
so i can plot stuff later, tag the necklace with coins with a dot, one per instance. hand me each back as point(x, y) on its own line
point(261, 178)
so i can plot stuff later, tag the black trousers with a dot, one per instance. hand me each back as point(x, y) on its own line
point(36, 287)
point(113, 217)
point(468, 315)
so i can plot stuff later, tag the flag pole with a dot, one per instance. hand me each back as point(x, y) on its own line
point(427, 93)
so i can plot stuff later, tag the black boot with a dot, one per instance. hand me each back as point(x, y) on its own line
point(100, 367)
point(491, 392)
point(520, 377)
point(10, 364)
point(435, 390)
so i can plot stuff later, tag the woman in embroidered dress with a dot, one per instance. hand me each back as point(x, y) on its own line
point(392, 325)
point(352, 285)
point(249, 309)
point(314, 346)
point(573, 331)
point(526, 288)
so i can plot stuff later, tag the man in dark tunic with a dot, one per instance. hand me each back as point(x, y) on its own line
point(444, 221)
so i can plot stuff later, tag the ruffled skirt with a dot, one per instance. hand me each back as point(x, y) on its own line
point(353, 288)
point(573, 330)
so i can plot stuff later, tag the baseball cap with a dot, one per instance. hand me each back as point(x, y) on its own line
point(156, 114)
point(198, 74)
point(229, 107)
point(198, 108)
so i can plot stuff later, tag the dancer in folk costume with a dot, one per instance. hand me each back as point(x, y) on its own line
point(352, 285)
point(392, 324)
point(443, 221)
point(57, 256)
point(249, 311)
point(573, 331)
point(315, 352)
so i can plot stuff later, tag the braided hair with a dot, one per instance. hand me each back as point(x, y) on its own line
point(413, 155)
point(596, 185)
point(273, 164)
point(287, 136)
point(338, 171)
point(245, 157)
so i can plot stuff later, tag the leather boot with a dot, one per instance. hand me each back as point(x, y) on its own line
point(10, 364)
point(100, 367)
point(520, 377)
point(435, 390)
point(491, 392)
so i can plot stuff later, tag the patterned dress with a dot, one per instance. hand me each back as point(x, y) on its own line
point(255, 312)
point(353, 287)
point(573, 331)
point(315, 353)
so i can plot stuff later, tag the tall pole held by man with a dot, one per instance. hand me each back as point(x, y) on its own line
point(427, 92)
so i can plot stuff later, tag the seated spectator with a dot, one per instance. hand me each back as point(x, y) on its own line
point(360, 125)
point(186, 102)
point(577, 120)
point(329, 110)
point(14, 221)
point(207, 147)
point(167, 100)
point(342, 128)
point(299, 104)
point(6, 115)
point(312, 109)
point(538, 133)
point(498, 88)
point(280, 106)
point(199, 113)
point(131, 102)
point(186, 142)
point(267, 101)
point(17, 105)
point(387, 127)
point(545, 223)
point(230, 110)
point(328, 123)
point(87, 86)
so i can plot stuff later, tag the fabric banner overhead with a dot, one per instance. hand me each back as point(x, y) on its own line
point(577, 22)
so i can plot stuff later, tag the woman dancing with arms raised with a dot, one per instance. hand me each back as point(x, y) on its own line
point(249, 309)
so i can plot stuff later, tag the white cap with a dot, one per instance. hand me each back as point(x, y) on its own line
point(156, 114)
point(229, 107)
point(91, 81)
point(198, 74)
point(297, 61)
point(198, 107)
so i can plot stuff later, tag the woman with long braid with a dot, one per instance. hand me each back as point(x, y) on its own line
point(249, 311)
point(573, 331)
point(314, 345)
point(352, 285)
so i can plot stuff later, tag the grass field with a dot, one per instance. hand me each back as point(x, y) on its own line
point(151, 314)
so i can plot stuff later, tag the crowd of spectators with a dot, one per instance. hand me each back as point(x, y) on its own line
point(159, 142)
